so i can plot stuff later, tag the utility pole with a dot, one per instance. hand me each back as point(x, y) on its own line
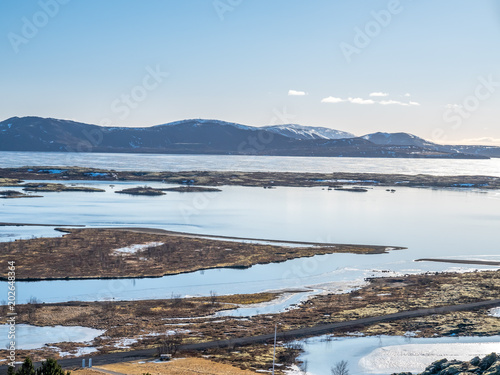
point(274, 352)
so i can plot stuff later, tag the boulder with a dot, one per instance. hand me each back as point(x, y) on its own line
point(487, 361)
point(494, 369)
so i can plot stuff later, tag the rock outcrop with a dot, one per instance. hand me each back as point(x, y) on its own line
point(489, 365)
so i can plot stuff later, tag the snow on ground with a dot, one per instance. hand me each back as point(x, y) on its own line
point(132, 249)
point(416, 357)
point(295, 370)
point(125, 343)
point(495, 312)
point(77, 353)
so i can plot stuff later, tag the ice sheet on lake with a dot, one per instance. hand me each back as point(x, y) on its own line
point(416, 357)
point(285, 302)
point(32, 337)
point(389, 354)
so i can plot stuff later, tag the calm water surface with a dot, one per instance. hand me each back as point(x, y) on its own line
point(166, 162)
point(431, 223)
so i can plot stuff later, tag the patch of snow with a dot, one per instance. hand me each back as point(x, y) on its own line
point(132, 249)
point(356, 334)
point(77, 353)
point(307, 132)
point(295, 370)
point(125, 343)
point(495, 312)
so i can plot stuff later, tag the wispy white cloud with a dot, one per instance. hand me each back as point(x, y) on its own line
point(397, 102)
point(296, 93)
point(360, 101)
point(332, 99)
point(378, 93)
point(407, 95)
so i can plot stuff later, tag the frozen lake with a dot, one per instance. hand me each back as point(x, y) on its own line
point(390, 354)
point(431, 223)
point(32, 337)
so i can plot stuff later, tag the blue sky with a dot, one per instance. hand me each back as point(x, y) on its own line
point(431, 66)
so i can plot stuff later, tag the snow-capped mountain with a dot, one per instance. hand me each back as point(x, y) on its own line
point(308, 132)
point(199, 136)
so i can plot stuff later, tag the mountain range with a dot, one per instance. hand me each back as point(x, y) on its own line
point(199, 136)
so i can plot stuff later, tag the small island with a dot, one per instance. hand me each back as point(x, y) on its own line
point(141, 190)
point(10, 194)
point(9, 181)
point(352, 189)
point(54, 187)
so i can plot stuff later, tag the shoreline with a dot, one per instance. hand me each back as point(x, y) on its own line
point(14, 176)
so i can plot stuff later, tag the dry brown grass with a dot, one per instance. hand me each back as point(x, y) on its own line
point(182, 366)
point(86, 371)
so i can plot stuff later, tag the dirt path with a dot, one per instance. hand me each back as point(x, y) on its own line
point(296, 333)
point(460, 261)
point(210, 236)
